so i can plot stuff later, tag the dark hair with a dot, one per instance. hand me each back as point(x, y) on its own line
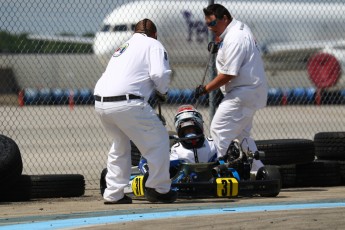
point(217, 10)
point(146, 26)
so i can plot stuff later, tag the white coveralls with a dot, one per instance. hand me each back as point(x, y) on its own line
point(138, 67)
point(206, 153)
point(239, 55)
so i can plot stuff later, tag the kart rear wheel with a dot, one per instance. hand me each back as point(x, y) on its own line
point(269, 172)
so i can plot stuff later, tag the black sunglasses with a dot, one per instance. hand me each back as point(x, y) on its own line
point(212, 23)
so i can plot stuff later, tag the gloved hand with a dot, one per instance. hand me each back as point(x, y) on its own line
point(199, 91)
point(213, 47)
point(162, 98)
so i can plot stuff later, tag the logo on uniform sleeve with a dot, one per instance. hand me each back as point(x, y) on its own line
point(120, 50)
point(165, 56)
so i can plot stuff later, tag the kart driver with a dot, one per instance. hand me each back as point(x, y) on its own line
point(193, 146)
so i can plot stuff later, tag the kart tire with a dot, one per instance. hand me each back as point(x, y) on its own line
point(288, 175)
point(286, 151)
point(19, 191)
point(269, 172)
point(342, 171)
point(318, 173)
point(330, 145)
point(11, 165)
point(54, 186)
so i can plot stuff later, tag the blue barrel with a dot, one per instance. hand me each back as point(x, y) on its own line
point(310, 95)
point(31, 96)
point(274, 96)
point(174, 96)
point(59, 97)
point(298, 96)
point(45, 96)
point(342, 96)
point(187, 96)
point(86, 96)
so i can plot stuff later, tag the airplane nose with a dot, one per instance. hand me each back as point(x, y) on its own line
point(106, 43)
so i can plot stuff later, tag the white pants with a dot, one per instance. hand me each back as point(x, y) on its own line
point(134, 120)
point(233, 120)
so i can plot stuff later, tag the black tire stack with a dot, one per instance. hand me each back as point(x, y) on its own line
point(17, 187)
point(307, 163)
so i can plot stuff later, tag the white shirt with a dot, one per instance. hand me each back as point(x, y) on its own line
point(137, 67)
point(206, 153)
point(239, 55)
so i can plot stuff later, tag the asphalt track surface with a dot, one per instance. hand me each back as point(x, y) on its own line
point(293, 208)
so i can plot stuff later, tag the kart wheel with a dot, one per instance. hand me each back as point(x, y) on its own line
point(269, 172)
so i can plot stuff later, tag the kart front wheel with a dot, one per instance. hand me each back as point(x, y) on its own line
point(269, 172)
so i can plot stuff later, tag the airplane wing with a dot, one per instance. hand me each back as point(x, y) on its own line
point(73, 39)
point(290, 55)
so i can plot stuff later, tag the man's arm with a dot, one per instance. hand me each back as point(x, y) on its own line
point(218, 81)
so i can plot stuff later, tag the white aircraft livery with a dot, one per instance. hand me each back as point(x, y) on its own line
point(291, 35)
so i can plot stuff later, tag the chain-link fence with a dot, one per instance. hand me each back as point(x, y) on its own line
point(53, 52)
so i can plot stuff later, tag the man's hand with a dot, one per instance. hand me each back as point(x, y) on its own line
point(162, 98)
point(213, 47)
point(199, 91)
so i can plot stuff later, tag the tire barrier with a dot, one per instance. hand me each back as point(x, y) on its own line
point(286, 151)
point(17, 187)
point(330, 145)
point(276, 96)
point(29, 187)
point(11, 165)
point(318, 173)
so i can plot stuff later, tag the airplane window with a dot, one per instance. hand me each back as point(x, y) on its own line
point(120, 28)
point(133, 27)
point(105, 28)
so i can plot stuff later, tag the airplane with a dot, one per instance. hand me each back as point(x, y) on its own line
point(292, 35)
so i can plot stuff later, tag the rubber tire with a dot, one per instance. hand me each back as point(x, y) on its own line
point(342, 171)
point(318, 173)
point(272, 173)
point(59, 185)
point(330, 145)
point(288, 175)
point(19, 191)
point(11, 165)
point(286, 151)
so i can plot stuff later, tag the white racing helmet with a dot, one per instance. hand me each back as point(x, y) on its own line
point(189, 127)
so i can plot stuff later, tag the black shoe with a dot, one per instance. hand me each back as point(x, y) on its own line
point(153, 196)
point(124, 200)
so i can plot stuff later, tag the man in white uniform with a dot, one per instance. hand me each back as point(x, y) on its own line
point(241, 78)
point(137, 67)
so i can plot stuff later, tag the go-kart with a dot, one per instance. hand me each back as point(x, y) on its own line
point(227, 177)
